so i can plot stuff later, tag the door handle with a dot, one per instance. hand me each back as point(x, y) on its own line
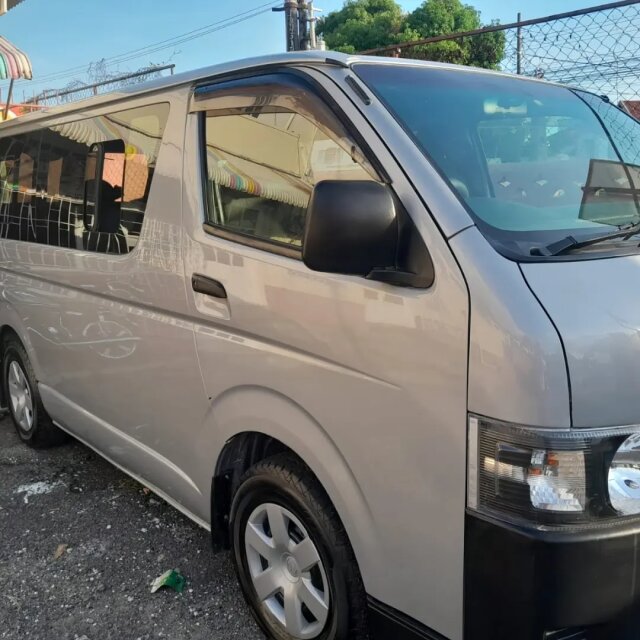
point(208, 286)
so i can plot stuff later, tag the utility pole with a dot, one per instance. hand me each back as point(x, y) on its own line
point(519, 46)
point(313, 41)
point(300, 24)
point(303, 25)
point(292, 31)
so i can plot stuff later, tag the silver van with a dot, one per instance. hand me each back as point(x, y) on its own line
point(373, 322)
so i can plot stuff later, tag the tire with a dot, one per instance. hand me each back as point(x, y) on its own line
point(282, 491)
point(34, 426)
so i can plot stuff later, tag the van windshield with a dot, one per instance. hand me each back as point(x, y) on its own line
point(533, 162)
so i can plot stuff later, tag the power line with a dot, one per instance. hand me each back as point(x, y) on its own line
point(201, 31)
point(169, 42)
point(163, 44)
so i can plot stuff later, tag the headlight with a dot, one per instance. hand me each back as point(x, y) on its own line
point(624, 477)
point(546, 477)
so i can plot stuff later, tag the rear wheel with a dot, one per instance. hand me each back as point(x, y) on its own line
point(293, 558)
point(30, 419)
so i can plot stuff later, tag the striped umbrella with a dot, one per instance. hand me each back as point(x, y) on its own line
point(14, 65)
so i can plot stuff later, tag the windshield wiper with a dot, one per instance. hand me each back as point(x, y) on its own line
point(569, 243)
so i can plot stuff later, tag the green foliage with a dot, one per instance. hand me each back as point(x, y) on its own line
point(362, 24)
point(439, 17)
point(367, 24)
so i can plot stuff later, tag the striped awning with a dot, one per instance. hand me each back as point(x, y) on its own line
point(92, 130)
point(256, 180)
point(14, 64)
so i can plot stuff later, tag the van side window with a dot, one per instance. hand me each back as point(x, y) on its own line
point(17, 173)
point(131, 169)
point(60, 190)
point(262, 167)
point(48, 176)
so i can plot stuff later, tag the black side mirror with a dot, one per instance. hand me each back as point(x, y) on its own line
point(351, 227)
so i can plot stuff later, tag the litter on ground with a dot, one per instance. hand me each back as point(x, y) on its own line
point(172, 579)
point(36, 489)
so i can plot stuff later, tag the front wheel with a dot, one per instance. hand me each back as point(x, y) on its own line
point(293, 558)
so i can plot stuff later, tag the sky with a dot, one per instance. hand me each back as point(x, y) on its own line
point(62, 37)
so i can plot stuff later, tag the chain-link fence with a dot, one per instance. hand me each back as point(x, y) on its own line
point(80, 90)
point(597, 49)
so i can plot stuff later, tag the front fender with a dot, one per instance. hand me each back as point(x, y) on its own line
point(258, 409)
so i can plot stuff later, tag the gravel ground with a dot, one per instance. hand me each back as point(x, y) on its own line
point(118, 538)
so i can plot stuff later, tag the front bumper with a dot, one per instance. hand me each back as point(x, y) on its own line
point(522, 584)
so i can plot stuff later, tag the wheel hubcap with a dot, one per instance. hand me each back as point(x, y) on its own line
point(20, 396)
point(287, 572)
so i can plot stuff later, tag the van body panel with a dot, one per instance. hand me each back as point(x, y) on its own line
point(112, 335)
point(117, 445)
point(132, 471)
point(365, 381)
point(593, 304)
point(517, 370)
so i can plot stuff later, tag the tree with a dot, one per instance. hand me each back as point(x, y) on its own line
point(368, 24)
point(362, 25)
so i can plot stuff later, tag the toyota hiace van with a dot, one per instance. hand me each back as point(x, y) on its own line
point(372, 322)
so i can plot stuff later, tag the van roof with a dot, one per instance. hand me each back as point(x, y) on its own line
point(209, 73)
